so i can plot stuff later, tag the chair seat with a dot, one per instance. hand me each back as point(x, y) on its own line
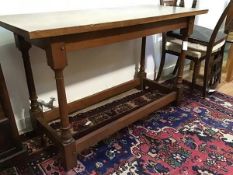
point(230, 37)
point(200, 35)
point(177, 49)
point(194, 50)
point(197, 42)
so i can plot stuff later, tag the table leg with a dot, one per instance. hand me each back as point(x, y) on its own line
point(35, 110)
point(142, 73)
point(56, 55)
point(229, 76)
point(24, 47)
point(66, 134)
point(179, 81)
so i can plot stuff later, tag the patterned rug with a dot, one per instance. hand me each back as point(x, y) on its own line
point(84, 122)
point(194, 138)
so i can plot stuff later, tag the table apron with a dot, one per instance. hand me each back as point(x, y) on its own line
point(98, 38)
point(95, 39)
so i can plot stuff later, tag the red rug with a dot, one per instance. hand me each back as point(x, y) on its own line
point(194, 138)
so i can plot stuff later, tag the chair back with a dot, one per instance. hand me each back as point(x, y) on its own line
point(213, 62)
point(227, 17)
point(175, 3)
point(168, 2)
point(229, 20)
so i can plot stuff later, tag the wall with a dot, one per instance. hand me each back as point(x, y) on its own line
point(89, 70)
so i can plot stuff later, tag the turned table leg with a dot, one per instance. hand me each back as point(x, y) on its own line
point(35, 110)
point(65, 133)
point(24, 47)
point(179, 81)
point(142, 73)
point(57, 60)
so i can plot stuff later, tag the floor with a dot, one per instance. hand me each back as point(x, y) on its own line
point(194, 138)
point(226, 87)
point(223, 87)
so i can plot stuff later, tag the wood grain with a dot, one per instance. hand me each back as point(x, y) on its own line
point(41, 25)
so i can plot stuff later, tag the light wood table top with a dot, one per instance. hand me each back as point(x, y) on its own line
point(42, 25)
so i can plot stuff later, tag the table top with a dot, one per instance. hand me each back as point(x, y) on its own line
point(42, 25)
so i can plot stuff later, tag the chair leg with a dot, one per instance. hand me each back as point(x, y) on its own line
point(195, 73)
point(222, 57)
point(161, 65)
point(206, 76)
point(230, 64)
point(191, 65)
point(176, 67)
point(204, 91)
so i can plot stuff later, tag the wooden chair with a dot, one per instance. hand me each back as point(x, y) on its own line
point(229, 28)
point(203, 45)
point(164, 35)
point(175, 3)
point(229, 65)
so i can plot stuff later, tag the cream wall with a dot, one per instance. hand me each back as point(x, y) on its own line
point(89, 70)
